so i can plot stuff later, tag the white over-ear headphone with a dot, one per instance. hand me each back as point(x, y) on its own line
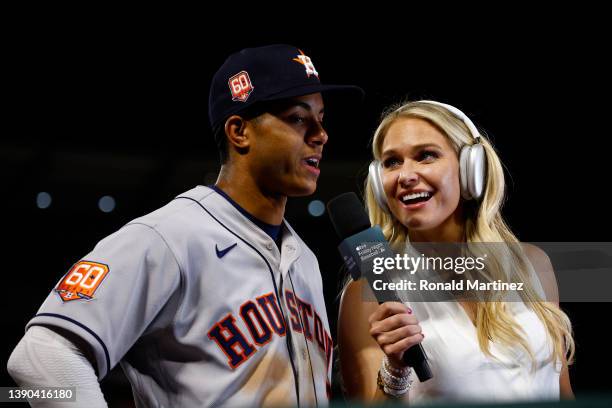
point(472, 164)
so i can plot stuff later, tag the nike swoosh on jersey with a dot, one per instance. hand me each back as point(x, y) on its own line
point(223, 252)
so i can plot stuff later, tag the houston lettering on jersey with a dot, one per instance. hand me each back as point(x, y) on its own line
point(263, 319)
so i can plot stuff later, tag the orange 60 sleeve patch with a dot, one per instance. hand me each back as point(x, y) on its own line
point(82, 281)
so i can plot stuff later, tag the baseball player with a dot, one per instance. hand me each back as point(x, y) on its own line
point(212, 299)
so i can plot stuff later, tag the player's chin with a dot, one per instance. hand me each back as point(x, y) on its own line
point(303, 188)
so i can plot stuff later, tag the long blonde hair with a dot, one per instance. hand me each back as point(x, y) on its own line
point(483, 223)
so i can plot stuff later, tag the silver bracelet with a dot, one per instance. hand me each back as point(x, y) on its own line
point(387, 390)
point(394, 381)
point(394, 385)
point(394, 393)
point(398, 372)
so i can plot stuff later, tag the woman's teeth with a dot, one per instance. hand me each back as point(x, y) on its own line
point(416, 196)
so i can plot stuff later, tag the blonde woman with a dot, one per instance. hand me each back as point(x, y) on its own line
point(437, 179)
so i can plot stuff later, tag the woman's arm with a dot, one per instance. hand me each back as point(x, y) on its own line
point(365, 329)
point(360, 356)
point(564, 383)
point(546, 274)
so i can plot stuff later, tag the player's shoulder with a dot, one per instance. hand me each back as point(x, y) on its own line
point(174, 219)
point(178, 212)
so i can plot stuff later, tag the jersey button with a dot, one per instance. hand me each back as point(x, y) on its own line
point(270, 246)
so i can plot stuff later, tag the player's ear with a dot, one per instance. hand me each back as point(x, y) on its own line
point(236, 131)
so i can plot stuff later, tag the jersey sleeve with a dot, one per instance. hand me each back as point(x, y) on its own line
point(110, 296)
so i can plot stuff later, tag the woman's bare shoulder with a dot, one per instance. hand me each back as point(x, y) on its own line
point(544, 270)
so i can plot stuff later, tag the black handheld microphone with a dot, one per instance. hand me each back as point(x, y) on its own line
point(361, 243)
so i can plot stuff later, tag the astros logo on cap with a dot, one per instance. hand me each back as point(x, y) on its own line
point(307, 62)
point(241, 86)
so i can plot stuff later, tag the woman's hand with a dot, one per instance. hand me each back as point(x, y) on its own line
point(395, 329)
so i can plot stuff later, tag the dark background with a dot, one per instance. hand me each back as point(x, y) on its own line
point(118, 106)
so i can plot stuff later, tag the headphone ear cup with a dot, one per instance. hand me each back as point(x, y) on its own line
point(472, 166)
point(375, 178)
point(477, 170)
point(463, 172)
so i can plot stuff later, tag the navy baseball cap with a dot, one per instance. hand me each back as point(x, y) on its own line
point(263, 74)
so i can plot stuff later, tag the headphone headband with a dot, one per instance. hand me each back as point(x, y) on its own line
point(458, 113)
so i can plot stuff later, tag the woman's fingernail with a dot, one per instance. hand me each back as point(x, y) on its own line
point(409, 310)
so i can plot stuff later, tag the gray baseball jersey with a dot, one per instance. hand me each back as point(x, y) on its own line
point(186, 298)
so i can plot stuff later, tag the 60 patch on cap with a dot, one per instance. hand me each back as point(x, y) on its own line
point(82, 281)
point(241, 86)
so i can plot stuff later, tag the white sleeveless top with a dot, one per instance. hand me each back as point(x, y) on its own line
point(462, 372)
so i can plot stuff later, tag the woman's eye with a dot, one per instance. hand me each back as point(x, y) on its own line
point(428, 155)
point(390, 162)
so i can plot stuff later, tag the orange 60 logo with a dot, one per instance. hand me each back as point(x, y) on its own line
point(82, 281)
point(241, 86)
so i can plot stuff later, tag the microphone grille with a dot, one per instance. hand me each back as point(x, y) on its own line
point(347, 215)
